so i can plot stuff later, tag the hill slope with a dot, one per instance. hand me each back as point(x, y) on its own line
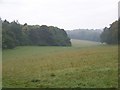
point(84, 43)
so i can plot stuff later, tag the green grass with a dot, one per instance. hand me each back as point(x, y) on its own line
point(83, 43)
point(83, 65)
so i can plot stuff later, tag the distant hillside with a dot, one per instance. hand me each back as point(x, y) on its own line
point(85, 34)
point(83, 43)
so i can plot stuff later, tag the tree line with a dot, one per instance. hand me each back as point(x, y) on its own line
point(110, 34)
point(85, 34)
point(15, 34)
point(0, 34)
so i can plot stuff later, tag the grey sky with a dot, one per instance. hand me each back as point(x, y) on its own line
point(66, 14)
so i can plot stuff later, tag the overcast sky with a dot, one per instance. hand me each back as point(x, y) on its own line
point(66, 14)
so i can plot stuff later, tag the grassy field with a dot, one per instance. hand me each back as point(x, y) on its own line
point(86, 64)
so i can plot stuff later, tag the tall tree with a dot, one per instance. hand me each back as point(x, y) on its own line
point(110, 35)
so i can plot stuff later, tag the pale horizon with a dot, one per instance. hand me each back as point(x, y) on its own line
point(65, 14)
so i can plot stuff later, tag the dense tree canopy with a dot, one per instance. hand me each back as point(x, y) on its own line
point(0, 33)
point(15, 34)
point(110, 35)
point(119, 31)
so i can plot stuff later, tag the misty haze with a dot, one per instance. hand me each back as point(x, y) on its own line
point(59, 43)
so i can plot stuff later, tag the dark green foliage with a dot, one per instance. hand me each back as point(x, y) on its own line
point(8, 37)
point(0, 33)
point(110, 35)
point(15, 34)
point(59, 36)
point(119, 31)
point(40, 36)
